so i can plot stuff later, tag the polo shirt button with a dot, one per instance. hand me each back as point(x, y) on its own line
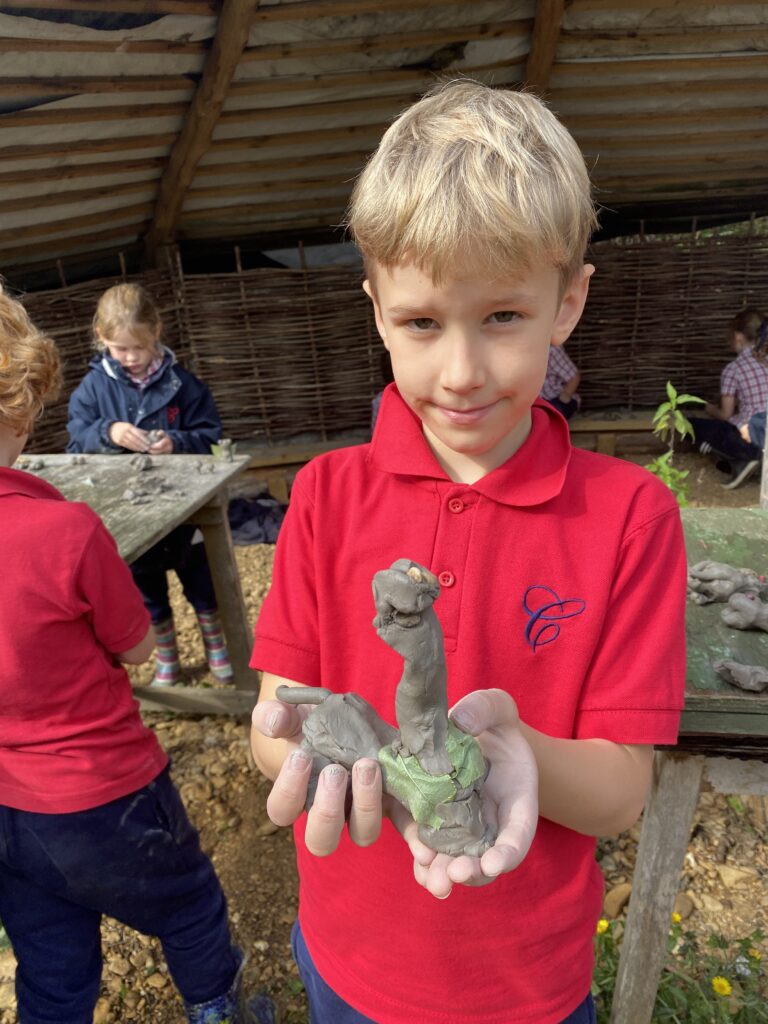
point(446, 579)
point(456, 505)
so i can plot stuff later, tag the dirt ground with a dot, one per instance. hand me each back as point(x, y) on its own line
point(723, 886)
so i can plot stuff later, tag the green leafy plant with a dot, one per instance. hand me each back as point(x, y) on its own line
point(668, 423)
point(716, 981)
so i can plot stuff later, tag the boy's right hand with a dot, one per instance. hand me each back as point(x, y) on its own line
point(126, 435)
point(327, 818)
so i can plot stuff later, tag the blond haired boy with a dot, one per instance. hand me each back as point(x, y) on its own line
point(562, 591)
point(90, 820)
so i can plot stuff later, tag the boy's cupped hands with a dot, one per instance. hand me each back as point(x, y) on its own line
point(510, 793)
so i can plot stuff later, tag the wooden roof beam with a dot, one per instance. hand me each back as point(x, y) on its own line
point(202, 116)
point(544, 38)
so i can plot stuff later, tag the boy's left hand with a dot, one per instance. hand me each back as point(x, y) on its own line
point(510, 798)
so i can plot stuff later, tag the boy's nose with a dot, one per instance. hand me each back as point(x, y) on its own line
point(462, 368)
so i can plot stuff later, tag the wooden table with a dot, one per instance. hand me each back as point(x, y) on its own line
point(184, 489)
point(719, 725)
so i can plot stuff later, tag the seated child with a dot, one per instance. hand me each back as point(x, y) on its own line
point(91, 821)
point(562, 592)
point(561, 382)
point(743, 393)
point(136, 398)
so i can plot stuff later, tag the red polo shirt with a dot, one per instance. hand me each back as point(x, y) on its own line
point(563, 582)
point(71, 736)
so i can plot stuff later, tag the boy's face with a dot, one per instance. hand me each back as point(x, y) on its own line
point(132, 349)
point(470, 355)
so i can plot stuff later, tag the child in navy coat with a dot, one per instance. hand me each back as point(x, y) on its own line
point(137, 398)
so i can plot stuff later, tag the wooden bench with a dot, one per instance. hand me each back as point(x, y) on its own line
point(277, 464)
point(605, 431)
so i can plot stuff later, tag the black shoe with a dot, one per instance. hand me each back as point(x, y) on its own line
point(742, 471)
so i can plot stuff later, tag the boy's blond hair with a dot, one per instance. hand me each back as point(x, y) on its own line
point(126, 307)
point(30, 369)
point(471, 173)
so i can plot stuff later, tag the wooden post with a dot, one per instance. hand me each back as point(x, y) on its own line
point(663, 841)
point(544, 39)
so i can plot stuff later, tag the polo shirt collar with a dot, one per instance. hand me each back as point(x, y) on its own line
point(15, 481)
point(533, 475)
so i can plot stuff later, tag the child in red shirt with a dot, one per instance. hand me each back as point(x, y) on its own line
point(90, 822)
point(562, 592)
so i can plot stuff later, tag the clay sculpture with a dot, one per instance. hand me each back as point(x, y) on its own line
point(747, 677)
point(429, 765)
point(717, 581)
point(745, 611)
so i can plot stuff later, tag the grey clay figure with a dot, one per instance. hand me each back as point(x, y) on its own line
point(429, 765)
point(717, 581)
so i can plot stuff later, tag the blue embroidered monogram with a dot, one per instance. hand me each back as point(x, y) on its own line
point(548, 610)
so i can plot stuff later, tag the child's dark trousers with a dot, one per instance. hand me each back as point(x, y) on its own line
point(325, 1007)
point(188, 561)
point(137, 859)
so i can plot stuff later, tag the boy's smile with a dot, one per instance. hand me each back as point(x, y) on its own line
point(469, 355)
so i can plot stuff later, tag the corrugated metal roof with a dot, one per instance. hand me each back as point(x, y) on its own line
point(667, 100)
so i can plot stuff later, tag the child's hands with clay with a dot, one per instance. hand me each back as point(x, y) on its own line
point(329, 814)
point(510, 798)
point(126, 435)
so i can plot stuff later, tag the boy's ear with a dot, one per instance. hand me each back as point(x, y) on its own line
point(368, 289)
point(572, 305)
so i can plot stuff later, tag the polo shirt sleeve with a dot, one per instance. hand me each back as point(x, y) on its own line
point(106, 595)
point(634, 689)
point(287, 632)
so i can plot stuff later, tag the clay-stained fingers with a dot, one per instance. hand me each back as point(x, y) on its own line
point(289, 792)
point(276, 720)
point(326, 819)
point(365, 815)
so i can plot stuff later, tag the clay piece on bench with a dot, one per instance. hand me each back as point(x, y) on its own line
point(429, 765)
point(747, 677)
point(141, 462)
point(717, 581)
point(745, 611)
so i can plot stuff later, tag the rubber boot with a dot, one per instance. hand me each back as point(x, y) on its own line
point(215, 649)
point(167, 668)
point(234, 1007)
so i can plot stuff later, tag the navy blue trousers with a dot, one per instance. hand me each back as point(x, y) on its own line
point(325, 1007)
point(137, 859)
point(725, 439)
point(188, 561)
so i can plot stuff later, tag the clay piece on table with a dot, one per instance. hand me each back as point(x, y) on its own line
point(205, 467)
point(433, 769)
point(747, 677)
point(78, 460)
point(745, 611)
point(225, 449)
point(717, 581)
point(140, 461)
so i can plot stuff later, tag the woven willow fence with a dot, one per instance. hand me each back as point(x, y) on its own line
point(289, 352)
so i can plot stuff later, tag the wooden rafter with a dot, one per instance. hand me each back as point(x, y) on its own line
point(544, 37)
point(197, 131)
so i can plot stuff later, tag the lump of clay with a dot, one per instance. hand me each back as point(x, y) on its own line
point(141, 462)
point(429, 765)
point(716, 581)
point(745, 611)
point(747, 677)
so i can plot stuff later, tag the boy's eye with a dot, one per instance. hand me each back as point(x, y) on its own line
point(422, 323)
point(504, 316)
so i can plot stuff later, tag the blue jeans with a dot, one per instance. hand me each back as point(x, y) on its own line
point(188, 561)
point(325, 1007)
point(137, 859)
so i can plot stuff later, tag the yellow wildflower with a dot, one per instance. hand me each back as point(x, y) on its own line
point(721, 986)
point(755, 953)
point(602, 926)
point(676, 918)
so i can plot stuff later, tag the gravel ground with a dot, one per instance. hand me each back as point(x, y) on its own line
point(723, 887)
